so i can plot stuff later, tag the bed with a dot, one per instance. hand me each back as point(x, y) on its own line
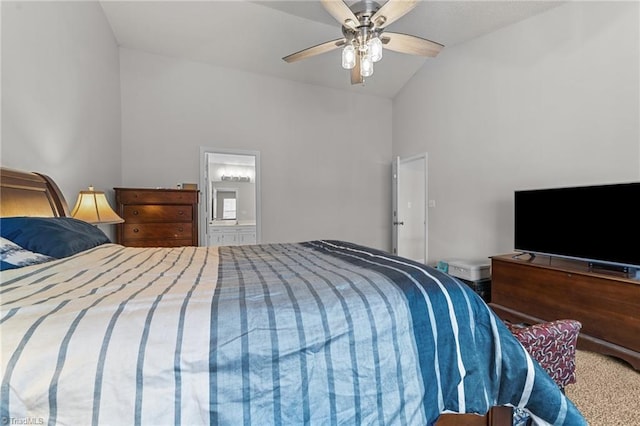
point(316, 332)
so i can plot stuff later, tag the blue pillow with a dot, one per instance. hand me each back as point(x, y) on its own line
point(53, 236)
point(13, 256)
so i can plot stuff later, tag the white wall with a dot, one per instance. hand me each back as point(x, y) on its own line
point(550, 101)
point(325, 154)
point(60, 94)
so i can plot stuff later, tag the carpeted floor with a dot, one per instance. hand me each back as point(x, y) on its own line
point(607, 391)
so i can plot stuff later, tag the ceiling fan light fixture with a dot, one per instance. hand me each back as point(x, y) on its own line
point(374, 46)
point(348, 57)
point(366, 66)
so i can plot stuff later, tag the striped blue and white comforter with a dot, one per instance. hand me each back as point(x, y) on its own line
point(309, 333)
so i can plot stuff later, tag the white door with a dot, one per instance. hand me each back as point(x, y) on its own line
point(409, 215)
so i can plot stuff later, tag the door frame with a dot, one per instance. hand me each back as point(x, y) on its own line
point(395, 185)
point(205, 191)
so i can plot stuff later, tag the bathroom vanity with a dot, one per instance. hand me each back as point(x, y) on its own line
point(231, 233)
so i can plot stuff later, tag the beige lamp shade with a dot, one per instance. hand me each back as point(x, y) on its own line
point(93, 207)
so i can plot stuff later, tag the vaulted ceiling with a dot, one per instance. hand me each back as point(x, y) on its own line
point(253, 36)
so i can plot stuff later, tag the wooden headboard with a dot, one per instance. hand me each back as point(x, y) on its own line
point(30, 194)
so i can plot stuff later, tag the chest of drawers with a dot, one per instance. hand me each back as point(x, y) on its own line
point(157, 217)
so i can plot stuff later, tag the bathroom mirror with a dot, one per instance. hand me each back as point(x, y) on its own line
point(225, 201)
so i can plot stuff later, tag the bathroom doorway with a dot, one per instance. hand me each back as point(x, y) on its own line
point(230, 197)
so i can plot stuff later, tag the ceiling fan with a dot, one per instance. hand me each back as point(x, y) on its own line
point(364, 35)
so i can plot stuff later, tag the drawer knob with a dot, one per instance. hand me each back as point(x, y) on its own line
point(135, 212)
point(136, 230)
point(180, 229)
point(180, 213)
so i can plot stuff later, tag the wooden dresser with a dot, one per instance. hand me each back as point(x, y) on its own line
point(157, 217)
point(545, 289)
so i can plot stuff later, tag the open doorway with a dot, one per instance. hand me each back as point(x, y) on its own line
point(230, 200)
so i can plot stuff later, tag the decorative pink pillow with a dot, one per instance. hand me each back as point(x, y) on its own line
point(553, 345)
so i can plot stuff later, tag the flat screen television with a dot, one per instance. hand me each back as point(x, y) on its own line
point(598, 224)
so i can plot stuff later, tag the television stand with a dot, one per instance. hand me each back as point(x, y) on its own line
point(546, 288)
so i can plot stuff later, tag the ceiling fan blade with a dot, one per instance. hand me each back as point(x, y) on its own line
point(341, 12)
point(315, 50)
point(391, 11)
point(356, 78)
point(412, 45)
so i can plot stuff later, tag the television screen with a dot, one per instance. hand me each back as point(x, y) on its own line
point(600, 224)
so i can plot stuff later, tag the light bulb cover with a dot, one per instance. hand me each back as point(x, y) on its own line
point(366, 66)
point(375, 48)
point(348, 57)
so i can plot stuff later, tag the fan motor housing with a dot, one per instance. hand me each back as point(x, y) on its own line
point(363, 10)
point(364, 7)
